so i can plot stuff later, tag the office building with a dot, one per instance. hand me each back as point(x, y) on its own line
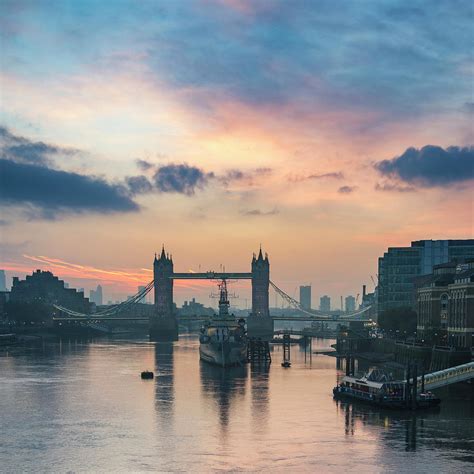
point(399, 266)
point(325, 303)
point(305, 297)
point(96, 296)
point(445, 305)
point(3, 282)
point(350, 304)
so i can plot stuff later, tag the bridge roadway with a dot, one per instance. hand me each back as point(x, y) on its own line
point(211, 276)
point(91, 317)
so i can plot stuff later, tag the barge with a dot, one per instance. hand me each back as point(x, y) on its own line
point(380, 389)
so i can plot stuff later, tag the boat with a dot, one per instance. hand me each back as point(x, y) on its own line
point(379, 388)
point(223, 339)
point(147, 375)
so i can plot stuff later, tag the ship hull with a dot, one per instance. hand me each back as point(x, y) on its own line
point(223, 354)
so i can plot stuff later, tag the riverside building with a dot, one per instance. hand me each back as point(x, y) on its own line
point(445, 305)
point(399, 266)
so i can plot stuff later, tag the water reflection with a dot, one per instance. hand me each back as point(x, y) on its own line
point(164, 384)
point(82, 405)
point(260, 381)
point(419, 429)
point(223, 386)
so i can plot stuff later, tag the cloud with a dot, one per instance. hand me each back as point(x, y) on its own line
point(247, 176)
point(258, 212)
point(138, 184)
point(182, 178)
point(388, 187)
point(346, 189)
point(332, 175)
point(49, 192)
point(431, 166)
point(22, 150)
point(144, 165)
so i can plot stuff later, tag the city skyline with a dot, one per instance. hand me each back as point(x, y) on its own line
point(326, 137)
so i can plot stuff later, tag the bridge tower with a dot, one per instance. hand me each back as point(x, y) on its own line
point(260, 284)
point(163, 324)
point(259, 323)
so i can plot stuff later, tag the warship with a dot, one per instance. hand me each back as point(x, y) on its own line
point(223, 339)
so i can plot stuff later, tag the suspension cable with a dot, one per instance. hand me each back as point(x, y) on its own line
point(113, 309)
point(297, 305)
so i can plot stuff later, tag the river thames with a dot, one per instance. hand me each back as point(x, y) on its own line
point(81, 406)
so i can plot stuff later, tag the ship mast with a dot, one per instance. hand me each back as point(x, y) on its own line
point(223, 299)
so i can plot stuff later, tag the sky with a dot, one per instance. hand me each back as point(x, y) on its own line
point(323, 131)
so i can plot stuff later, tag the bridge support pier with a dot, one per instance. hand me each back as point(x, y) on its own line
point(260, 327)
point(258, 351)
point(163, 324)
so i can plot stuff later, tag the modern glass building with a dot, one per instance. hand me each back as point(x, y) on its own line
point(305, 297)
point(400, 265)
point(325, 303)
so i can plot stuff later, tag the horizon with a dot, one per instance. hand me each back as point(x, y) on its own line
point(327, 137)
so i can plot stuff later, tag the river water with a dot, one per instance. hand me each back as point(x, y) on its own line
point(81, 406)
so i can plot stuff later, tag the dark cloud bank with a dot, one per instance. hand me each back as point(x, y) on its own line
point(430, 166)
point(29, 179)
point(54, 191)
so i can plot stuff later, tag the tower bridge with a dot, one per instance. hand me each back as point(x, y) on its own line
point(163, 323)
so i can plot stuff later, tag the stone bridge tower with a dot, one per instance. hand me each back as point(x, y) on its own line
point(163, 324)
point(259, 323)
point(260, 284)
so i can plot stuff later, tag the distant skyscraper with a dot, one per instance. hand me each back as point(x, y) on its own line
point(305, 297)
point(3, 284)
point(96, 296)
point(325, 303)
point(350, 304)
point(99, 295)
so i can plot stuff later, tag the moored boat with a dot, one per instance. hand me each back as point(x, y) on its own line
point(379, 388)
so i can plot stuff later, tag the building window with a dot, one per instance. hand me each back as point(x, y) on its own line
point(444, 302)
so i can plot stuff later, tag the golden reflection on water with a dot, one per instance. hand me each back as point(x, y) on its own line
point(86, 408)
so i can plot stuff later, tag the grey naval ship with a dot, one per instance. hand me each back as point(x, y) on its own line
point(223, 340)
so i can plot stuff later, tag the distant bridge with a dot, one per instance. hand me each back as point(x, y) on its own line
point(181, 319)
point(163, 321)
